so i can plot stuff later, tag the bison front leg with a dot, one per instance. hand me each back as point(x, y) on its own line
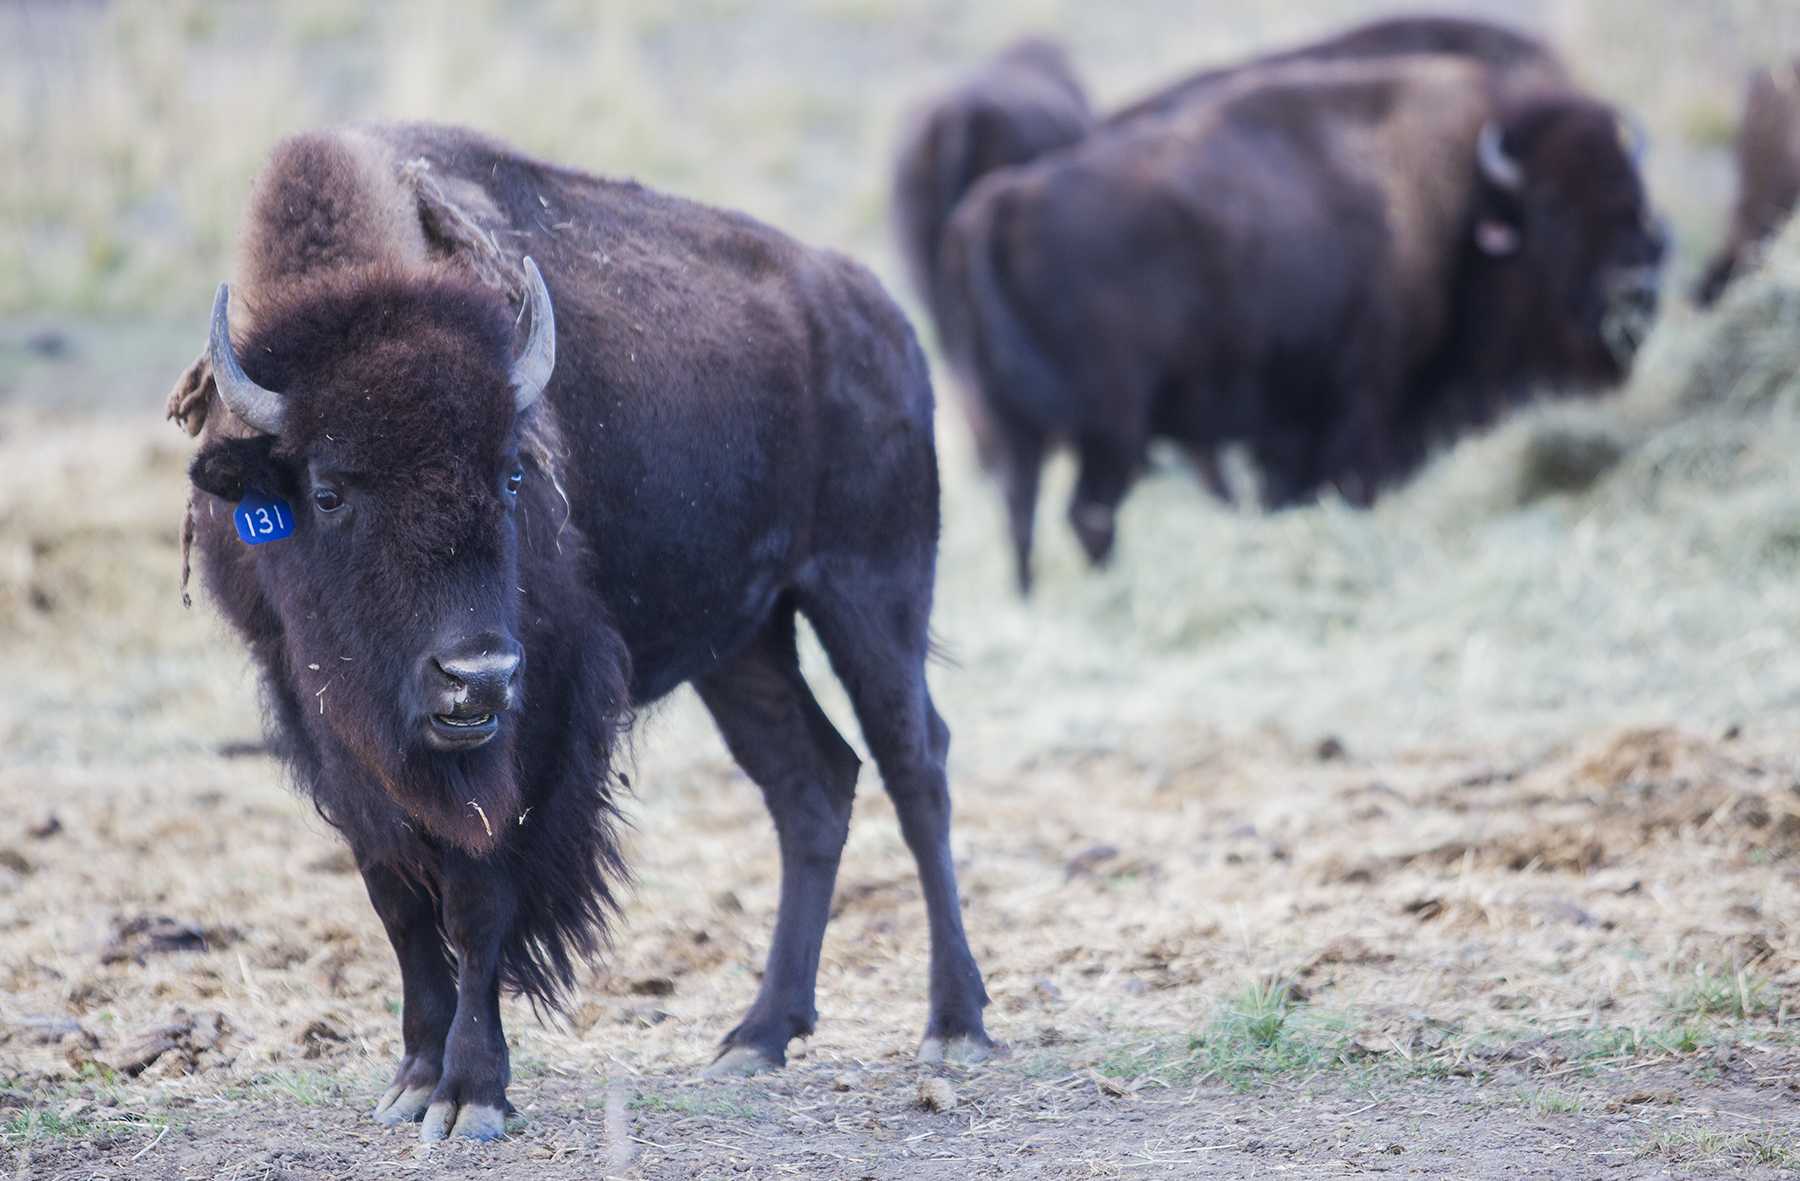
point(470, 1097)
point(428, 990)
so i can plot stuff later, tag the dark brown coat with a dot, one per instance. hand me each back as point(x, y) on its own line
point(737, 431)
point(1495, 45)
point(1316, 264)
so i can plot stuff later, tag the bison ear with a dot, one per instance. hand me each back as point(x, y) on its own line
point(1496, 238)
point(229, 467)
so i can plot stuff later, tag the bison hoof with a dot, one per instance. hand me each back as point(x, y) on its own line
point(402, 1104)
point(740, 1062)
point(964, 1049)
point(467, 1121)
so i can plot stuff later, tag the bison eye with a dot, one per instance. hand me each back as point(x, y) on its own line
point(515, 481)
point(327, 500)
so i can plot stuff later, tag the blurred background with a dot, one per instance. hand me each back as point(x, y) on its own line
point(137, 126)
point(1581, 610)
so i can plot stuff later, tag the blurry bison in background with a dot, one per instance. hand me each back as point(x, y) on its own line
point(1768, 168)
point(1453, 36)
point(1018, 106)
point(1336, 264)
point(1027, 102)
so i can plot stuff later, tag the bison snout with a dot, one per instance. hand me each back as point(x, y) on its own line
point(467, 686)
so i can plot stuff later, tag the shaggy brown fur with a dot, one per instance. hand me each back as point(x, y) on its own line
point(1768, 175)
point(738, 431)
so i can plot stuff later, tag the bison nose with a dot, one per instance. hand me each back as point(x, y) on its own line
point(475, 676)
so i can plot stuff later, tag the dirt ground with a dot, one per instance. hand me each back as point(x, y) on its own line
point(1244, 960)
point(1456, 839)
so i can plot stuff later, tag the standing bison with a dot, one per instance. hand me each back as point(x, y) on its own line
point(1768, 175)
point(1023, 103)
point(1027, 103)
point(459, 561)
point(1335, 263)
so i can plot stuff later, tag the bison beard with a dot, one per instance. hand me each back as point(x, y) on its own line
point(482, 583)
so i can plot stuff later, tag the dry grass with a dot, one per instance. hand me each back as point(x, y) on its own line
point(1538, 861)
point(135, 128)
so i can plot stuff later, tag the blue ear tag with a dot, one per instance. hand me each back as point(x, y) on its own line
point(262, 518)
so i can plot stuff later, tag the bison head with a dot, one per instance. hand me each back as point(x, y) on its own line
point(385, 410)
point(1569, 236)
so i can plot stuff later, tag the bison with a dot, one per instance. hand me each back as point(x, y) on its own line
point(1024, 102)
point(1334, 263)
point(460, 560)
point(1768, 172)
point(1027, 103)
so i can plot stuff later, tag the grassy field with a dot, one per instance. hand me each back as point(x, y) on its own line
point(1460, 838)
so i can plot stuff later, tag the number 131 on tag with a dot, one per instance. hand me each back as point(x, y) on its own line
point(262, 518)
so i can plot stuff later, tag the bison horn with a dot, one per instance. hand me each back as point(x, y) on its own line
point(1500, 169)
point(532, 367)
point(262, 409)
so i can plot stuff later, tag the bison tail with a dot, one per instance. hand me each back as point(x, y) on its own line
point(985, 337)
point(928, 182)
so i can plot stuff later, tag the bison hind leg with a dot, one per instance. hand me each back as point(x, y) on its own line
point(1019, 449)
point(1110, 461)
point(807, 772)
point(871, 617)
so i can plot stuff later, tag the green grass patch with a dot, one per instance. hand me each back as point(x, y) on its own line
point(695, 1103)
point(1704, 1145)
point(40, 1125)
point(308, 1088)
point(1550, 1101)
point(1256, 1034)
point(1687, 1037)
point(1739, 996)
point(43, 1124)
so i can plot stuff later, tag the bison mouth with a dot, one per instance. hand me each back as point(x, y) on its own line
point(452, 732)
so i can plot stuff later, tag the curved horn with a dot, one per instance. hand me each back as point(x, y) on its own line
point(262, 409)
point(1500, 169)
point(532, 367)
